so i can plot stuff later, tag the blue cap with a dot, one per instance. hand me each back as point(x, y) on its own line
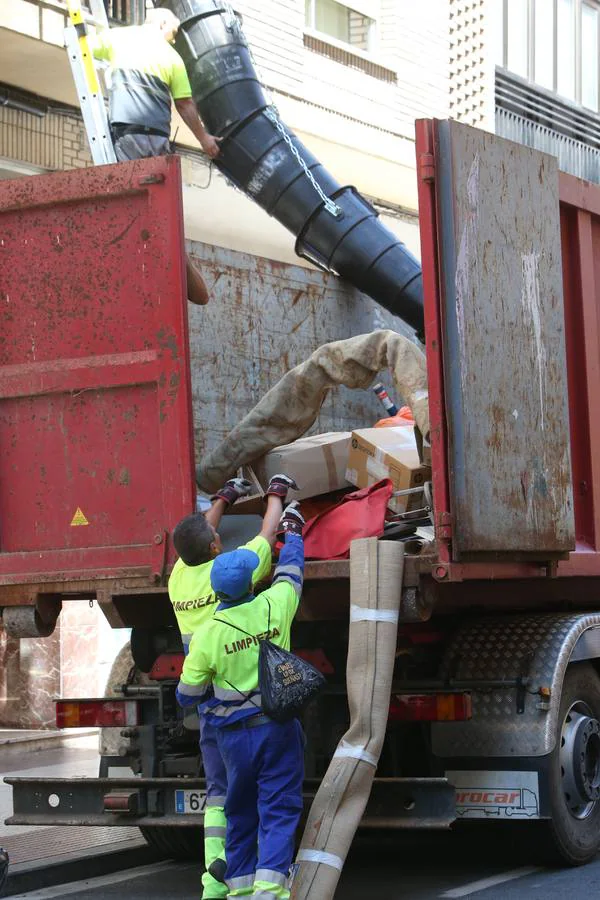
point(231, 573)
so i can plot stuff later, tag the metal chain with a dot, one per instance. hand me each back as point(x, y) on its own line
point(272, 114)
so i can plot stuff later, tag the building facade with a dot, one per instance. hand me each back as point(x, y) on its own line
point(349, 78)
point(529, 70)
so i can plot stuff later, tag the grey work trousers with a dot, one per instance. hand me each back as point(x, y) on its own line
point(140, 146)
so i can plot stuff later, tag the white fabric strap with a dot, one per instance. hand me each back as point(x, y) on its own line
point(355, 751)
point(318, 856)
point(358, 614)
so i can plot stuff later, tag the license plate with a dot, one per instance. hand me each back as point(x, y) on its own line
point(190, 802)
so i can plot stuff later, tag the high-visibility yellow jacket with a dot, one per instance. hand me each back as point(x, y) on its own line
point(193, 598)
point(224, 651)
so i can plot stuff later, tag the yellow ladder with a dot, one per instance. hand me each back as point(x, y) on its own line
point(85, 76)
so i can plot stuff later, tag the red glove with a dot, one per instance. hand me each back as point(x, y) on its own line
point(233, 489)
point(279, 486)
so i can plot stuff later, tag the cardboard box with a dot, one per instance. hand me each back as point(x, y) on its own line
point(377, 453)
point(318, 463)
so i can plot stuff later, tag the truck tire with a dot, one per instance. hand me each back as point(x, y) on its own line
point(574, 780)
point(176, 842)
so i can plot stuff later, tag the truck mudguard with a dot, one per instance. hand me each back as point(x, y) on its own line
point(336, 229)
point(528, 653)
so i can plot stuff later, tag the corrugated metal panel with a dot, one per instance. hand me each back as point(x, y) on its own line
point(265, 317)
point(504, 347)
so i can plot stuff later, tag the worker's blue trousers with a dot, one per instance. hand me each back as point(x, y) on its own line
point(265, 772)
point(214, 815)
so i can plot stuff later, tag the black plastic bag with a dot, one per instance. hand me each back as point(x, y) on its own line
point(286, 682)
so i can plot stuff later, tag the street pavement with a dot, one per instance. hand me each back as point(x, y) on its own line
point(390, 869)
point(76, 756)
point(482, 861)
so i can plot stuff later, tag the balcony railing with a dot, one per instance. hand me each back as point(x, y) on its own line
point(535, 117)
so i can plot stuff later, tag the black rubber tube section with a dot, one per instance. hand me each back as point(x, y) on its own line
point(256, 158)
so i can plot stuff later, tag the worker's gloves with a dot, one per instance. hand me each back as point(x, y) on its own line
point(232, 490)
point(292, 520)
point(279, 486)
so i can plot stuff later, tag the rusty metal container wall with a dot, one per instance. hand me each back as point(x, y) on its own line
point(504, 355)
point(95, 439)
point(265, 317)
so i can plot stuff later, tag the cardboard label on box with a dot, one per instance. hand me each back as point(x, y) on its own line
point(317, 463)
point(377, 453)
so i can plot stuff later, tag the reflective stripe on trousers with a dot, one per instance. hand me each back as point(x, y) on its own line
point(241, 886)
point(270, 885)
point(214, 814)
point(215, 827)
point(260, 888)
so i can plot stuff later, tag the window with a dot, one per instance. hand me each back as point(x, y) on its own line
point(589, 56)
point(544, 43)
point(126, 12)
point(565, 56)
point(516, 24)
point(553, 43)
point(342, 22)
point(120, 12)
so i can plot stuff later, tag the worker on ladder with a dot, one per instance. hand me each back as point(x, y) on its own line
point(146, 71)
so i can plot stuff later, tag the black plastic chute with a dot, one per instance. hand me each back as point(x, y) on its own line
point(257, 156)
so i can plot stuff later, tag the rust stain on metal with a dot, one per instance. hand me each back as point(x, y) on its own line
point(277, 315)
point(505, 347)
point(119, 237)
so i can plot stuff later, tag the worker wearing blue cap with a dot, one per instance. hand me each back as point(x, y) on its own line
point(264, 759)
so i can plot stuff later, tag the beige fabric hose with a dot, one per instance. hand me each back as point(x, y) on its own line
point(376, 569)
point(289, 409)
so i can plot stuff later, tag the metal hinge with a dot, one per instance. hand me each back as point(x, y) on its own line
point(427, 167)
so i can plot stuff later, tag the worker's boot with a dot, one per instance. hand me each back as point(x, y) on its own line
point(217, 869)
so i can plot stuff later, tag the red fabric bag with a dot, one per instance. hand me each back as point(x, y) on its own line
point(360, 514)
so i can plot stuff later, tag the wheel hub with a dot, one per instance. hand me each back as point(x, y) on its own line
point(580, 760)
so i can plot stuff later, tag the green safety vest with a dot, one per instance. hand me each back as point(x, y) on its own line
point(222, 655)
point(193, 598)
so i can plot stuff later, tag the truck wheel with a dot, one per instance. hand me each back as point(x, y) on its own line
point(574, 781)
point(176, 842)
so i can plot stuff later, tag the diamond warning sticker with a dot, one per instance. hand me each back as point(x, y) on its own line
point(79, 518)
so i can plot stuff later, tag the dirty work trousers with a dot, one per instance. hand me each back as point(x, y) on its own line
point(214, 814)
point(265, 771)
point(140, 146)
